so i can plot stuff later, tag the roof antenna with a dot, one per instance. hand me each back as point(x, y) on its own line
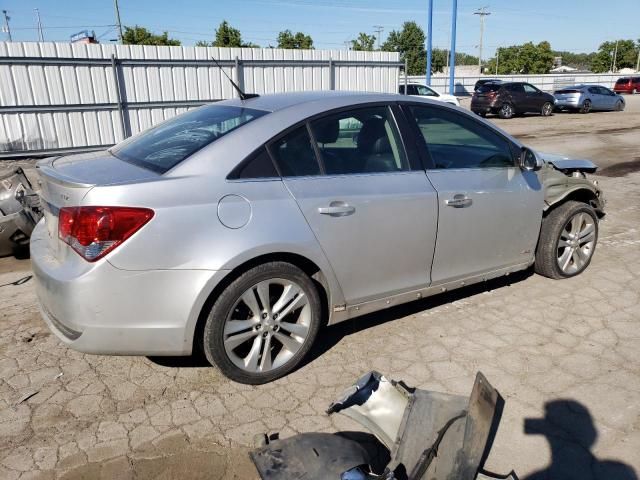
point(243, 96)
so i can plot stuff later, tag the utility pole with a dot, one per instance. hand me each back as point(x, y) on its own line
point(118, 22)
point(5, 28)
point(638, 61)
point(497, 59)
point(615, 55)
point(39, 25)
point(378, 29)
point(429, 42)
point(483, 13)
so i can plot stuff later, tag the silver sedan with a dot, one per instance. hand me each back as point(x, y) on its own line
point(587, 98)
point(240, 228)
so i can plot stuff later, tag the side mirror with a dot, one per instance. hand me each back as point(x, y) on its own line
point(530, 160)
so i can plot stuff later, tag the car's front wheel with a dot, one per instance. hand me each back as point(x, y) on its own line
point(620, 106)
point(568, 238)
point(547, 109)
point(263, 324)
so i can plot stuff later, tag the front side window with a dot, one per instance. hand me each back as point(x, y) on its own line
point(295, 155)
point(455, 141)
point(364, 140)
point(530, 88)
point(164, 146)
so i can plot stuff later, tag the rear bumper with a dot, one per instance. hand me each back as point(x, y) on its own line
point(97, 308)
point(567, 103)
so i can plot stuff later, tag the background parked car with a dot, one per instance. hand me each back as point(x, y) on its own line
point(420, 90)
point(627, 85)
point(483, 81)
point(510, 98)
point(585, 98)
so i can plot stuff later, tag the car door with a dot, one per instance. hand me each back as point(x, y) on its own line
point(489, 209)
point(609, 98)
point(534, 99)
point(368, 201)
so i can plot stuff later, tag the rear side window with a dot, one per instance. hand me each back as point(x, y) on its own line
point(622, 81)
point(164, 146)
point(515, 87)
point(363, 140)
point(258, 165)
point(455, 141)
point(295, 155)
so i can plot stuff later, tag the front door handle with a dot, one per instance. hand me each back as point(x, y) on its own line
point(337, 209)
point(459, 201)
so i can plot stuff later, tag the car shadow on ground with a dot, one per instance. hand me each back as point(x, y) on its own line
point(571, 433)
point(330, 336)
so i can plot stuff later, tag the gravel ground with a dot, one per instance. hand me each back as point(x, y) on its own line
point(564, 355)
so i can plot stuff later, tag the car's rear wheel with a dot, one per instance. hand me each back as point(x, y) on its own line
point(620, 106)
point(547, 109)
point(568, 238)
point(634, 91)
point(506, 111)
point(263, 324)
point(586, 106)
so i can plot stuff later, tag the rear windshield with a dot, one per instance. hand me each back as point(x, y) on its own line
point(568, 90)
point(623, 80)
point(164, 146)
point(489, 87)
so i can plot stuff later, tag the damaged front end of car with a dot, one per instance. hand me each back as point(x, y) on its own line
point(565, 178)
point(19, 212)
point(417, 435)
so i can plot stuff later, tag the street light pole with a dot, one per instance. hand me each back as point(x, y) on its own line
point(118, 22)
point(6, 27)
point(378, 29)
point(452, 53)
point(39, 24)
point(429, 41)
point(483, 13)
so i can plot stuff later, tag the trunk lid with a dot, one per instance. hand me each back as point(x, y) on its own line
point(65, 181)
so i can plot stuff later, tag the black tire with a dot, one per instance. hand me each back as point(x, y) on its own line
point(546, 261)
point(547, 109)
point(213, 334)
point(586, 106)
point(620, 106)
point(506, 111)
point(634, 91)
point(482, 114)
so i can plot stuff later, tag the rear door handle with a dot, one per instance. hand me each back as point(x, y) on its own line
point(337, 209)
point(459, 201)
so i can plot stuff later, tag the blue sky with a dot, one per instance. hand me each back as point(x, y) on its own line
point(578, 26)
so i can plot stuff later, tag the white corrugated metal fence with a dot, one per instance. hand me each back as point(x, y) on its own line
point(61, 96)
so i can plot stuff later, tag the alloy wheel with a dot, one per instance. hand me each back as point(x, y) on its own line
point(506, 110)
point(576, 243)
point(267, 325)
point(547, 109)
point(586, 106)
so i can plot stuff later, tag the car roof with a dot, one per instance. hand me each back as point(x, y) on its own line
point(281, 101)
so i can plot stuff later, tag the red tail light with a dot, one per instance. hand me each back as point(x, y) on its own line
point(95, 231)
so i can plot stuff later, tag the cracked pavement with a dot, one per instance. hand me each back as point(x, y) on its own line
point(540, 342)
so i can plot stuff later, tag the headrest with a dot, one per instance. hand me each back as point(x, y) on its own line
point(381, 146)
point(327, 131)
point(371, 131)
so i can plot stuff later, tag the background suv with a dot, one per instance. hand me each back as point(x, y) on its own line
point(510, 98)
point(627, 85)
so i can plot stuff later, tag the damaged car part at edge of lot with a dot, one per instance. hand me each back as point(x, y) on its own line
point(19, 212)
point(420, 435)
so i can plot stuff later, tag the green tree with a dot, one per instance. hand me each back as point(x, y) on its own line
point(409, 41)
point(227, 36)
point(141, 36)
point(286, 39)
point(626, 56)
point(525, 59)
point(364, 42)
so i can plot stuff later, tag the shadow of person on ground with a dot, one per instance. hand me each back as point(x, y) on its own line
point(571, 434)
